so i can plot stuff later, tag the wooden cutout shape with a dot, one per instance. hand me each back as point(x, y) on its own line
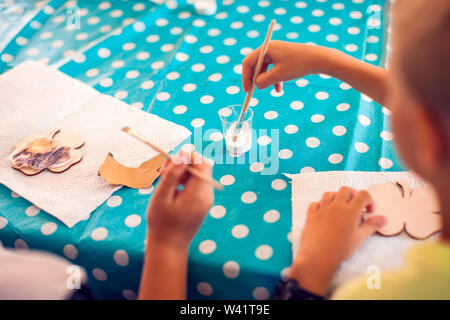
point(141, 177)
point(55, 151)
point(416, 211)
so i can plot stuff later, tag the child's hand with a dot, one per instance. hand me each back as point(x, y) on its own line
point(174, 215)
point(334, 229)
point(290, 61)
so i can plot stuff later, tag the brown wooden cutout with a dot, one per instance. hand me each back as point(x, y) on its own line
point(55, 151)
point(142, 177)
point(416, 211)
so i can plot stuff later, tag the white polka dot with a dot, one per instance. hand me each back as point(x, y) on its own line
point(314, 28)
point(15, 195)
point(206, 49)
point(116, 13)
point(245, 51)
point(117, 64)
point(207, 246)
point(279, 11)
point(227, 180)
point(361, 147)
point(129, 46)
point(231, 269)
point(132, 74)
point(129, 294)
point(99, 234)
point(152, 38)
point(240, 231)
point(317, 118)
point(204, 289)
point(197, 123)
point(253, 34)
point(307, 170)
point(32, 211)
point(173, 75)
point(253, 102)
point(339, 130)
point(372, 39)
point(215, 77)
point(312, 142)
point(364, 120)
point(385, 163)
point(180, 109)
point(297, 105)
point(114, 201)
point(332, 38)
point(103, 53)
point(157, 65)
point(99, 274)
point(48, 228)
point(121, 258)
point(271, 216)
point(92, 73)
point(371, 57)
point(285, 154)
point(256, 167)
point(248, 197)
point(184, 15)
point(146, 190)
point(139, 26)
point(133, 220)
point(343, 107)
point(147, 84)
point(167, 47)
point(189, 38)
point(3, 222)
point(207, 99)
point(189, 87)
point(386, 135)
point(216, 136)
point(21, 41)
point(198, 67)
point(70, 251)
point(222, 59)
point(6, 57)
point(335, 158)
point(292, 35)
point(138, 7)
point(32, 51)
point(236, 25)
point(335, 21)
point(274, 93)
point(351, 47)
point(338, 6)
point(163, 96)
point(217, 211)
point(356, 15)
point(278, 184)
point(322, 95)
point(386, 111)
point(138, 105)
point(264, 140)
point(232, 89)
point(243, 9)
point(264, 252)
point(214, 32)
point(261, 293)
point(181, 56)
point(353, 30)
point(291, 129)
point(270, 115)
point(121, 94)
point(161, 22)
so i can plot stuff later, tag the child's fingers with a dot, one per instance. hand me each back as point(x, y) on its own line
point(369, 227)
point(248, 68)
point(345, 194)
point(268, 78)
point(170, 181)
point(279, 86)
point(362, 200)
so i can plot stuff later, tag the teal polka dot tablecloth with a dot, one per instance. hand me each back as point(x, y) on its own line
point(166, 59)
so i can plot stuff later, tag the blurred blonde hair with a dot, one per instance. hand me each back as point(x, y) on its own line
point(421, 39)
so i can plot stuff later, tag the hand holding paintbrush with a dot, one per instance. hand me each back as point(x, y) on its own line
point(258, 67)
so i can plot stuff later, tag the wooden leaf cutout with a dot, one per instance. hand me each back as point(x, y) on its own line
point(142, 177)
point(415, 211)
point(54, 150)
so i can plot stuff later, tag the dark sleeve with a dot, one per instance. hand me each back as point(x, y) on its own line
point(289, 289)
point(84, 293)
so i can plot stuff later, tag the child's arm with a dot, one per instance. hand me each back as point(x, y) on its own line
point(295, 60)
point(174, 216)
point(333, 230)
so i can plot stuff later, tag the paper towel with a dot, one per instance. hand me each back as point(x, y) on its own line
point(35, 98)
point(384, 252)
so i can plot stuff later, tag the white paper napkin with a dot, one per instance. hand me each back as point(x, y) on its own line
point(35, 98)
point(385, 252)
